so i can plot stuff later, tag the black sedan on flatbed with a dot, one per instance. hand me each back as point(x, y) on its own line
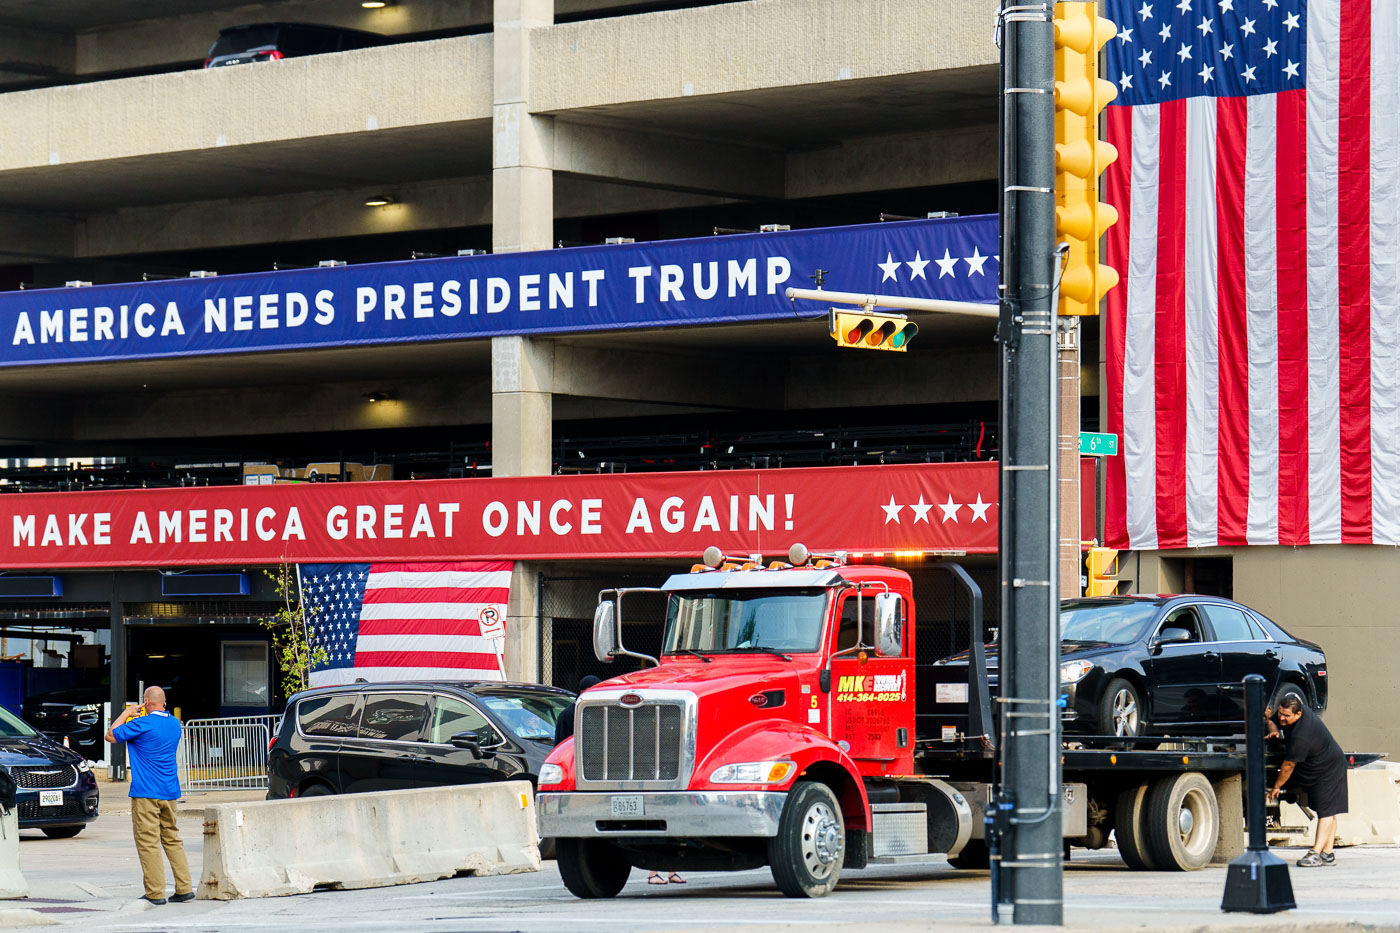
point(1160, 665)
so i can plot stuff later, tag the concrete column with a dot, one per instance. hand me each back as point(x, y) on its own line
point(522, 368)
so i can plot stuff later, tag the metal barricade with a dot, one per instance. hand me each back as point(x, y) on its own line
point(225, 754)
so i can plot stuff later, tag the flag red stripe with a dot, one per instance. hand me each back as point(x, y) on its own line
point(444, 594)
point(1292, 318)
point(1170, 328)
point(463, 660)
point(475, 566)
point(1119, 184)
point(1354, 267)
point(420, 627)
point(1232, 475)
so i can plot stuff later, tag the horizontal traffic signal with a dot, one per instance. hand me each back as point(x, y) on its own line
point(1102, 576)
point(868, 331)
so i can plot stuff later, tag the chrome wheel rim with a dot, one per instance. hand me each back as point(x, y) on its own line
point(1125, 713)
point(822, 841)
point(1196, 825)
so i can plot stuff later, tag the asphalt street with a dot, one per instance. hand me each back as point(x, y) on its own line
point(92, 882)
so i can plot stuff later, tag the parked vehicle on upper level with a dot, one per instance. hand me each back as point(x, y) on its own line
point(73, 714)
point(55, 789)
point(389, 736)
point(266, 42)
point(1150, 665)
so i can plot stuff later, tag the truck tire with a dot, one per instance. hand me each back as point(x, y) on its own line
point(1183, 822)
point(807, 853)
point(974, 855)
point(1129, 827)
point(590, 868)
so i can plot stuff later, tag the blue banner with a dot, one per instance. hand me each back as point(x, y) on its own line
point(723, 279)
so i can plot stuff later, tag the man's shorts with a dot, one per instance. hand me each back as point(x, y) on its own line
point(1327, 798)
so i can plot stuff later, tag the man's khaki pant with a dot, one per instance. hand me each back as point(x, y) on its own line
point(153, 825)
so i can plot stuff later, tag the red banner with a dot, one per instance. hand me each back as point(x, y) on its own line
point(934, 507)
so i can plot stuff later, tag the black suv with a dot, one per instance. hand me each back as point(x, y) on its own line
point(266, 42)
point(389, 736)
point(74, 714)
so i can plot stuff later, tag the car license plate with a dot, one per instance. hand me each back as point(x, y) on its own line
point(50, 798)
point(626, 806)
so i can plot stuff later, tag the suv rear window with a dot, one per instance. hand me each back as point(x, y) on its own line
point(331, 715)
point(395, 717)
point(241, 40)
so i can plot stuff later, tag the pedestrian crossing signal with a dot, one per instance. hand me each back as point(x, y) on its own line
point(868, 331)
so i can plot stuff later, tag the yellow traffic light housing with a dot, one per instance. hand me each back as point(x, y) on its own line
point(869, 331)
point(1102, 566)
point(1080, 156)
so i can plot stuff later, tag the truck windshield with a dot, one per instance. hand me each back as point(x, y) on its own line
point(735, 621)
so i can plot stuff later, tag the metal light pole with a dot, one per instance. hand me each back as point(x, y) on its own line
point(1030, 865)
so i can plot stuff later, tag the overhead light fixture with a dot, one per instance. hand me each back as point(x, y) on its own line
point(379, 396)
point(376, 4)
point(378, 200)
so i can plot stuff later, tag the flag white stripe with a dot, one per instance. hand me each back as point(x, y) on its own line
point(1139, 389)
point(1385, 276)
point(1202, 327)
point(467, 644)
point(373, 611)
point(1261, 316)
point(1324, 347)
point(340, 676)
point(438, 579)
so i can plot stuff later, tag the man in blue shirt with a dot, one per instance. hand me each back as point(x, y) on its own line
point(151, 740)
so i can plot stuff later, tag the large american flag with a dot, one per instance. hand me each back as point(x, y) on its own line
point(1253, 347)
point(422, 621)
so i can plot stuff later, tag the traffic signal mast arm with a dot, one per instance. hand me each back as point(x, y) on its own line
point(868, 329)
point(898, 302)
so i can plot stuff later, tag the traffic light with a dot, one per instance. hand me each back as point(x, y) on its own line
point(1102, 564)
point(1080, 156)
point(870, 331)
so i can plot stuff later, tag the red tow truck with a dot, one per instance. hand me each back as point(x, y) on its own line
point(778, 728)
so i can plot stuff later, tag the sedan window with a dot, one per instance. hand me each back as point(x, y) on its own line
point(329, 715)
point(1116, 622)
point(1184, 617)
point(529, 716)
point(1230, 624)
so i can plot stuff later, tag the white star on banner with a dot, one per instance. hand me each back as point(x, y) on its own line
point(1146, 11)
point(1184, 52)
point(1291, 69)
point(948, 265)
point(1206, 72)
point(1184, 6)
point(1227, 6)
point(890, 266)
point(1271, 48)
point(1205, 26)
point(892, 511)
point(1145, 58)
point(1125, 80)
point(920, 510)
point(1247, 27)
point(1290, 22)
point(1165, 32)
point(1248, 74)
point(1125, 36)
point(950, 509)
point(1164, 79)
point(1228, 51)
point(979, 508)
point(974, 262)
point(916, 268)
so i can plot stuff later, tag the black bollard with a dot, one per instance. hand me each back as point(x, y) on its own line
point(1257, 882)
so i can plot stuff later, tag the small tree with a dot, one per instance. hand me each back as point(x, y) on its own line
point(295, 641)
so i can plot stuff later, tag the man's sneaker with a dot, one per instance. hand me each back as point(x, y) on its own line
point(1328, 858)
point(157, 901)
point(181, 898)
point(1311, 860)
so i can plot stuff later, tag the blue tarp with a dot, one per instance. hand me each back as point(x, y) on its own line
point(712, 280)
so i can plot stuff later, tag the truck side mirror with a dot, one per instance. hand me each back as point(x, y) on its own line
point(605, 630)
point(889, 625)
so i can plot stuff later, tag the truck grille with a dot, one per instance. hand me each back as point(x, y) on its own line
point(643, 743)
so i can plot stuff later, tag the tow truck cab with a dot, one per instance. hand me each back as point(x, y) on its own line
point(777, 728)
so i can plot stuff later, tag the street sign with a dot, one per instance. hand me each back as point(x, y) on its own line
point(1098, 445)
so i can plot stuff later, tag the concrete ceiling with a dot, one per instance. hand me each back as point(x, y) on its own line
point(75, 15)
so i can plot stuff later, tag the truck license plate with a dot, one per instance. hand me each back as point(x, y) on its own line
point(50, 798)
point(626, 806)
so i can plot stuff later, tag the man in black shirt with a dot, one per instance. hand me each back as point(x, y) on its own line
point(1321, 768)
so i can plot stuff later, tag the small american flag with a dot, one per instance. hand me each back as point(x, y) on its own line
point(1253, 347)
point(421, 621)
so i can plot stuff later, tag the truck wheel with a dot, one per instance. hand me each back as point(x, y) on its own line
point(1183, 822)
point(806, 854)
point(974, 855)
point(1129, 826)
point(591, 869)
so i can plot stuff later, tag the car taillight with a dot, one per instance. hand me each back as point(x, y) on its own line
point(271, 742)
point(207, 61)
point(271, 55)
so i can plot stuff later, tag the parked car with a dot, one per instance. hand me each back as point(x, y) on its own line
point(387, 736)
point(1151, 665)
point(74, 714)
point(55, 789)
point(266, 42)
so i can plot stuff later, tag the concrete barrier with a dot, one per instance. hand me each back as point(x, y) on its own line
point(274, 847)
point(1373, 817)
point(12, 883)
